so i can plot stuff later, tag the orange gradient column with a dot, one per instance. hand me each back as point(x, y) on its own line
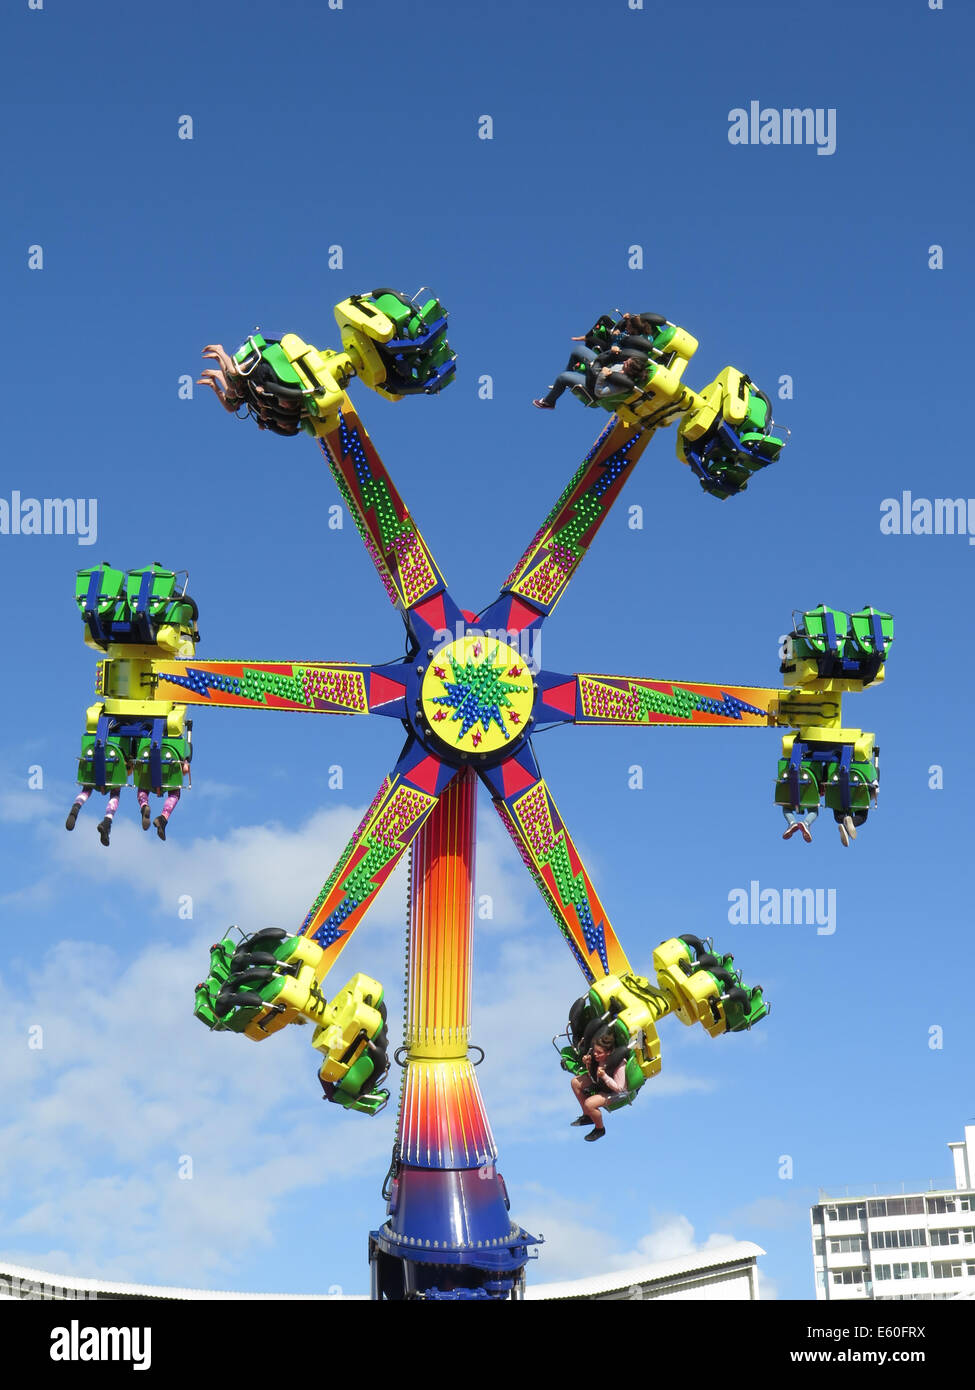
point(442, 1119)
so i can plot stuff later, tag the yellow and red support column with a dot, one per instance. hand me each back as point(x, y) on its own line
point(449, 1232)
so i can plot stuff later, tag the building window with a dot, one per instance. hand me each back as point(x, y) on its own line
point(851, 1211)
point(902, 1271)
point(897, 1240)
point(945, 1269)
point(939, 1206)
point(881, 1271)
point(847, 1245)
point(896, 1206)
point(954, 1235)
point(919, 1270)
point(849, 1276)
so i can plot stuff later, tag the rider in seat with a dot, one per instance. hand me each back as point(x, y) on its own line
point(605, 1082)
point(256, 385)
point(603, 374)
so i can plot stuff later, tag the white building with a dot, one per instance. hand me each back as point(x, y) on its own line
point(908, 1245)
point(726, 1272)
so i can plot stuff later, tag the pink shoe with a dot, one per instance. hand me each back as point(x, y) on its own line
point(805, 832)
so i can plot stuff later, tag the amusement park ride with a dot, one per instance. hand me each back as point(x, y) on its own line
point(469, 704)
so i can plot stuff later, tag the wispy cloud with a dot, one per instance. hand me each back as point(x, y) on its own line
point(136, 1145)
point(575, 1247)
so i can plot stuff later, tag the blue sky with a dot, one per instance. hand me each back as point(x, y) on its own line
point(358, 127)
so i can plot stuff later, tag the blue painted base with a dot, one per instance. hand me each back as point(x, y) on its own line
point(449, 1236)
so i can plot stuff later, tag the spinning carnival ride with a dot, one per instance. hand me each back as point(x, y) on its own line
point(469, 704)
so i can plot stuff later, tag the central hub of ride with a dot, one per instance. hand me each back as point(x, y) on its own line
point(476, 697)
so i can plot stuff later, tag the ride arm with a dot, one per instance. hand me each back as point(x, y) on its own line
point(528, 813)
point(587, 698)
point(542, 575)
point(314, 686)
point(402, 804)
point(392, 539)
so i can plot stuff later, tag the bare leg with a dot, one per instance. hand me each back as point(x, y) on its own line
point(580, 1089)
point(594, 1104)
point(593, 1107)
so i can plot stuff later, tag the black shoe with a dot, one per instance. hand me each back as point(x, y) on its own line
point(596, 1134)
point(72, 817)
point(104, 830)
point(146, 816)
point(160, 824)
point(582, 1120)
point(542, 404)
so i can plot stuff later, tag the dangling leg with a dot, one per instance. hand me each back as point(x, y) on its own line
point(593, 1107)
point(796, 821)
point(806, 825)
point(581, 1092)
point(792, 821)
point(565, 379)
point(168, 807)
point(847, 823)
point(76, 806)
point(105, 825)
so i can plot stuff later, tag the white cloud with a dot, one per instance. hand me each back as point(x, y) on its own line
point(671, 1237)
point(262, 875)
point(575, 1248)
point(95, 1122)
point(100, 1116)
